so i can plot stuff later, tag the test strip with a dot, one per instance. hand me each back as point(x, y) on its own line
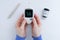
point(14, 11)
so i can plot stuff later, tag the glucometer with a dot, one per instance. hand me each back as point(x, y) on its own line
point(28, 15)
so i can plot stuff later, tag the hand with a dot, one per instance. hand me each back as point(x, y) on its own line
point(36, 26)
point(21, 26)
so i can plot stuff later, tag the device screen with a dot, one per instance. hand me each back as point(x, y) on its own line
point(28, 13)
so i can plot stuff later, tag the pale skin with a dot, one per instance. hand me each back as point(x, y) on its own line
point(21, 26)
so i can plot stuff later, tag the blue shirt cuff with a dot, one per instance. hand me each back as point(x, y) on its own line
point(37, 38)
point(19, 38)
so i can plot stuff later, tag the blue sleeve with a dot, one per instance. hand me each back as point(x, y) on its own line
point(19, 38)
point(37, 38)
point(23, 38)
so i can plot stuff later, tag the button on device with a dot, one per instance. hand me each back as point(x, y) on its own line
point(30, 19)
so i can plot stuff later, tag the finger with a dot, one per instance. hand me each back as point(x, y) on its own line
point(34, 21)
point(23, 24)
point(32, 24)
point(19, 20)
point(37, 19)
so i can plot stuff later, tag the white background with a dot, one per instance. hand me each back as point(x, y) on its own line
point(50, 26)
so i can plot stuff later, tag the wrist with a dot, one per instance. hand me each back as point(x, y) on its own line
point(19, 38)
point(21, 34)
point(36, 35)
point(37, 38)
